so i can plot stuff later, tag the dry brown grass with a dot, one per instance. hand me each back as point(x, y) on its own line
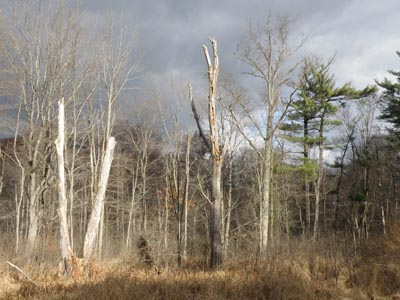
point(326, 270)
point(121, 281)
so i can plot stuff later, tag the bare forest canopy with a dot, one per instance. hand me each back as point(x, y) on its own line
point(236, 175)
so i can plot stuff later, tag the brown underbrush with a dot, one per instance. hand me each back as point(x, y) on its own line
point(122, 281)
point(330, 269)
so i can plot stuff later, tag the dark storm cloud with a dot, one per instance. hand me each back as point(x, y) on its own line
point(362, 33)
point(171, 32)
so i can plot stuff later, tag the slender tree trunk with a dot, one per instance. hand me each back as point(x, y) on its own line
point(229, 209)
point(19, 197)
point(179, 242)
point(318, 183)
point(166, 209)
point(186, 200)
point(317, 204)
point(72, 182)
point(18, 204)
point(364, 223)
point(144, 189)
point(306, 149)
point(265, 201)
point(131, 209)
point(267, 177)
point(33, 215)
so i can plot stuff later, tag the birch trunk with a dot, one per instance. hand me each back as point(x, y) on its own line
point(265, 201)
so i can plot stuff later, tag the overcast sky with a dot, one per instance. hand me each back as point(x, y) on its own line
point(364, 34)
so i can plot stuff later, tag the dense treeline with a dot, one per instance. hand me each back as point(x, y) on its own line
point(318, 161)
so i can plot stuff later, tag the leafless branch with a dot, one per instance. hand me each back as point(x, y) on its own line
point(197, 118)
point(22, 272)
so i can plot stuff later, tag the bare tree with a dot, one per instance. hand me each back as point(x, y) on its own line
point(117, 70)
point(41, 51)
point(217, 153)
point(266, 50)
point(50, 56)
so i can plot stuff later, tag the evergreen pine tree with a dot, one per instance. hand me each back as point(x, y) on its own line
point(311, 115)
point(390, 100)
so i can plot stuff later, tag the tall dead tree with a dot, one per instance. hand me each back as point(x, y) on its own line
point(95, 217)
point(217, 153)
point(93, 226)
point(64, 241)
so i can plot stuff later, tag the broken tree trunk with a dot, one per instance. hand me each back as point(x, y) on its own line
point(65, 244)
point(93, 226)
point(217, 153)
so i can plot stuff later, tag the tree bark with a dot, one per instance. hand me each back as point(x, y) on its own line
point(94, 222)
point(217, 154)
point(229, 208)
point(318, 182)
point(132, 207)
point(186, 200)
point(216, 243)
point(306, 150)
point(217, 157)
point(265, 201)
point(64, 241)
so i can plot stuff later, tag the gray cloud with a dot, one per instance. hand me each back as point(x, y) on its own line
point(362, 33)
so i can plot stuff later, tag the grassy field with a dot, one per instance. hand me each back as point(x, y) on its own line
point(310, 273)
point(123, 282)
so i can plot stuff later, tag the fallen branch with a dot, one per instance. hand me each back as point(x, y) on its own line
point(22, 272)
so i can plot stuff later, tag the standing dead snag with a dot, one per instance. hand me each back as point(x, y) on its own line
point(70, 262)
point(217, 153)
point(65, 244)
point(93, 226)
